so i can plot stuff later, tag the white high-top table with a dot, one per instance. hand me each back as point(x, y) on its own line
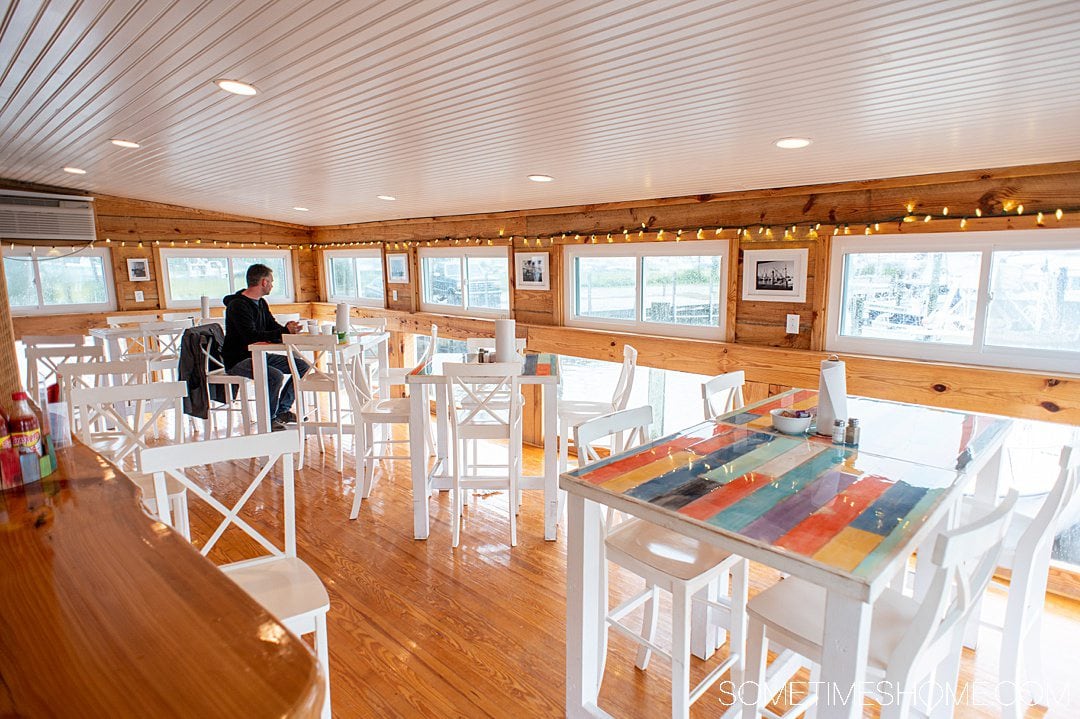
point(538, 369)
point(844, 518)
point(259, 350)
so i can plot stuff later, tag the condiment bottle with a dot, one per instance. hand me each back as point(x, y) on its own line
point(23, 426)
point(851, 436)
point(5, 438)
point(838, 431)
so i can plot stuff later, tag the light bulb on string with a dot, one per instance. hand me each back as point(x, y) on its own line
point(660, 235)
point(963, 223)
point(678, 236)
point(701, 234)
point(1039, 219)
point(1020, 209)
point(945, 211)
point(978, 212)
point(1059, 214)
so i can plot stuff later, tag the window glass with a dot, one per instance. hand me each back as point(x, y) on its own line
point(489, 283)
point(1035, 300)
point(682, 290)
point(58, 280)
point(20, 281)
point(915, 297)
point(240, 265)
point(342, 277)
point(605, 287)
point(192, 277)
point(369, 278)
point(442, 280)
point(74, 280)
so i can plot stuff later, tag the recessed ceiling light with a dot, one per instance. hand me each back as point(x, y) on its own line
point(388, 198)
point(75, 170)
point(792, 143)
point(236, 87)
point(301, 209)
point(124, 143)
point(541, 178)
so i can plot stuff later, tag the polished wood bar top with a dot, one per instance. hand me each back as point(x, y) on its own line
point(104, 611)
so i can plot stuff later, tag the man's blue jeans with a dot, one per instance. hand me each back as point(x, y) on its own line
point(277, 372)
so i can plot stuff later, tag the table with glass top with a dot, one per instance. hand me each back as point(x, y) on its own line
point(844, 518)
point(537, 369)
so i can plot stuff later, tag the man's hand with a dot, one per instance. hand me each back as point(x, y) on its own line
point(293, 327)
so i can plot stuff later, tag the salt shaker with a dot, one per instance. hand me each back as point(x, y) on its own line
point(838, 431)
point(851, 435)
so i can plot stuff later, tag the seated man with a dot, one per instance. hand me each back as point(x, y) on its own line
point(248, 320)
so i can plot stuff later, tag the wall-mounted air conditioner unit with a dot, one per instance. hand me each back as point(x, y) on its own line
point(39, 216)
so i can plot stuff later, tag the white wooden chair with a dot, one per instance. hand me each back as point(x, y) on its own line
point(1026, 554)
point(723, 393)
point(118, 321)
point(686, 568)
point(574, 412)
point(316, 382)
point(115, 422)
point(161, 340)
point(493, 413)
point(369, 411)
point(88, 375)
point(236, 389)
point(396, 375)
point(43, 362)
point(911, 641)
point(283, 583)
point(375, 324)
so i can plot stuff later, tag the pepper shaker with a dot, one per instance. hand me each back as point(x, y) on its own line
point(851, 435)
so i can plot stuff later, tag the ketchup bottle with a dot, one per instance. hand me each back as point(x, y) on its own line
point(23, 426)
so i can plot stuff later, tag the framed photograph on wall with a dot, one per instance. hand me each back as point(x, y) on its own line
point(532, 271)
point(397, 268)
point(774, 275)
point(138, 269)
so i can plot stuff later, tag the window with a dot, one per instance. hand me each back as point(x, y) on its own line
point(190, 274)
point(1009, 300)
point(58, 280)
point(473, 281)
point(669, 289)
point(355, 276)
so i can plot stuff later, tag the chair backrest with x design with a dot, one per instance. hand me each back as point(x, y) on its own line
point(489, 398)
point(163, 338)
point(277, 449)
point(116, 421)
point(42, 363)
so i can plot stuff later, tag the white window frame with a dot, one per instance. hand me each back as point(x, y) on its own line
point(463, 253)
point(978, 353)
point(640, 250)
point(279, 282)
point(376, 254)
point(38, 252)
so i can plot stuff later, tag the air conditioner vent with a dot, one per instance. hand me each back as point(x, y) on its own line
point(38, 216)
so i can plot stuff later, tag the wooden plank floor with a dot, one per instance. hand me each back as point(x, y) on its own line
point(418, 629)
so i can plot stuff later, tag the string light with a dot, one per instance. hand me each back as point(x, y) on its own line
point(963, 223)
point(1058, 214)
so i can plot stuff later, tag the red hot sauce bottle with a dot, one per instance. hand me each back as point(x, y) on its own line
point(25, 431)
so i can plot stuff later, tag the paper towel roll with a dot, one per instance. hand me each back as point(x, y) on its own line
point(832, 394)
point(504, 341)
point(342, 323)
point(204, 303)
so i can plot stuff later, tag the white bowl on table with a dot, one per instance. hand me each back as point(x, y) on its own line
point(789, 425)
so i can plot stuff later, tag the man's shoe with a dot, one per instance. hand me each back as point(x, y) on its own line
point(277, 426)
point(287, 417)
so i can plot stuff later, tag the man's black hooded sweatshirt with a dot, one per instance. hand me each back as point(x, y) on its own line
point(247, 321)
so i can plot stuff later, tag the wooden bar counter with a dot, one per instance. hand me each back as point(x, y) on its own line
point(105, 611)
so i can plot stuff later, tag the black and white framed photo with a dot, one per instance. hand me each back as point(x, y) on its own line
point(138, 269)
point(532, 271)
point(397, 268)
point(775, 275)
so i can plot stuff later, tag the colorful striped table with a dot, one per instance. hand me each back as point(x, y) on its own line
point(428, 379)
point(842, 517)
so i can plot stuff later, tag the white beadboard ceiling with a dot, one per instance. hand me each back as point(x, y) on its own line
point(449, 105)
